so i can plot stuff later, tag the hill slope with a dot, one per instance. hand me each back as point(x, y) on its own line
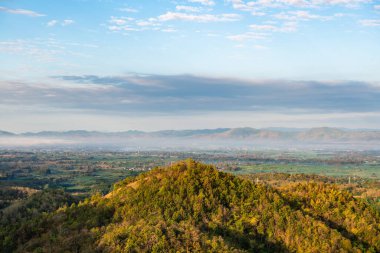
point(193, 207)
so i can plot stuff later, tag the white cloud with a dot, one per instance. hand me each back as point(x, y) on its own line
point(21, 12)
point(260, 32)
point(169, 16)
point(370, 22)
point(130, 24)
point(130, 10)
point(347, 3)
point(242, 6)
point(67, 22)
point(289, 27)
point(203, 2)
point(258, 13)
point(247, 36)
point(187, 8)
point(120, 20)
point(263, 27)
point(300, 16)
point(260, 4)
point(52, 23)
point(376, 7)
point(169, 30)
point(32, 49)
point(115, 28)
point(147, 23)
point(145, 94)
point(286, 27)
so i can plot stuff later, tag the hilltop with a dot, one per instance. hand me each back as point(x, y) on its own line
point(191, 206)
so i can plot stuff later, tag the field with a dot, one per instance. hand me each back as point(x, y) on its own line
point(84, 173)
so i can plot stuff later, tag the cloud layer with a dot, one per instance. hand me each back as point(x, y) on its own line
point(21, 12)
point(186, 93)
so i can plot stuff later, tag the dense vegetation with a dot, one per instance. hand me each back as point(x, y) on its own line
point(190, 206)
point(21, 221)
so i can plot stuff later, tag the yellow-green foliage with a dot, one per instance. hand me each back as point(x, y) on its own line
point(192, 207)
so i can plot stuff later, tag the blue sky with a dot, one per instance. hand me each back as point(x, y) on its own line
point(119, 65)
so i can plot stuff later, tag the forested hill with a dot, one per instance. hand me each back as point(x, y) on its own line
point(192, 207)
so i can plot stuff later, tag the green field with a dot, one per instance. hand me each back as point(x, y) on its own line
point(83, 173)
point(363, 171)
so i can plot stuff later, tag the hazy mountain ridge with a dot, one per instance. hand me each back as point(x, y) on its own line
point(246, 133)
point(5, 133)
point(203, 139)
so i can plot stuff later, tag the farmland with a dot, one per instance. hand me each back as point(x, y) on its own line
point(83, 173)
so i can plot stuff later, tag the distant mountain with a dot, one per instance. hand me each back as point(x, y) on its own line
point(192, 207)
point(81, 134)
point(187, 133)
point(330, 134)
point(323, 133)
point(73, 133)
point(201, 138)
point(252, 133)
point(246, 133)
point(5, 133)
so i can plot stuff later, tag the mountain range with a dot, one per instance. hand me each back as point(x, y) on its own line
point(221, 137)
point(246, 133)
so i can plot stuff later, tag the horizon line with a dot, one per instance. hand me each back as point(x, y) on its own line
point(192, 129)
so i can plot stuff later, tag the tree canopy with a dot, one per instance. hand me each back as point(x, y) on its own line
point(190, 207)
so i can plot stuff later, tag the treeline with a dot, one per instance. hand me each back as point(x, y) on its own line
point(192, 207)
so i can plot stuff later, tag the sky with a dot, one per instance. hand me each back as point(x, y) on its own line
point(153, 64)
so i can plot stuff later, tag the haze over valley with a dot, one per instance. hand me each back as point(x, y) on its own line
point(205, 139)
